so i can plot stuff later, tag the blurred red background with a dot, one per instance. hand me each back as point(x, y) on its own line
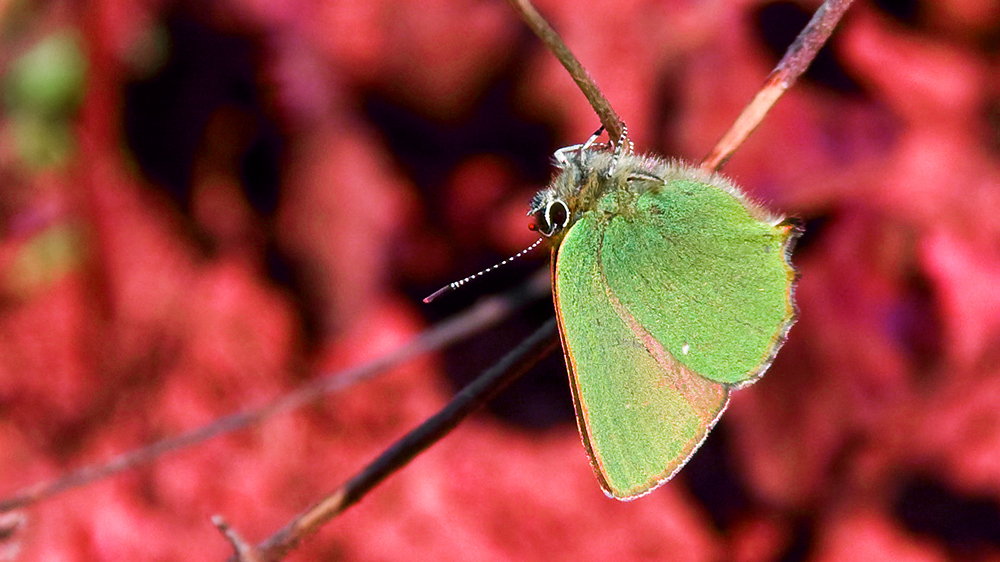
point(205, 204)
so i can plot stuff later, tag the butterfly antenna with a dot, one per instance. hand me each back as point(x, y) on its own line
point(456, 284)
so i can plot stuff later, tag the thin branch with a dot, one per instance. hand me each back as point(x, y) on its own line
point(797, 58)
point(612, 123)
point(485, 314)
point(473, 396)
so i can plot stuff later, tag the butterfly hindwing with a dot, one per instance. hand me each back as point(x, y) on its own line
point(709, 281)
point(641, 413)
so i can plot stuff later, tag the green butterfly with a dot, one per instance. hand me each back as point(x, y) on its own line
point(671, 289)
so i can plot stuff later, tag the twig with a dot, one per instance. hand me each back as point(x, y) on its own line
point(473, 396)
point(797, 58)
point(485, 314)
point(612, 123)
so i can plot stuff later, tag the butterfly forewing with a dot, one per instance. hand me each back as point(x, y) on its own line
point(641, 413)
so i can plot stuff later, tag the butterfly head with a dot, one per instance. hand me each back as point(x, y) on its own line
point(586, 172)
point(583, 176)
point(551, 213)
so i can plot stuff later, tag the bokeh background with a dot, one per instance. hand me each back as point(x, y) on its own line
point(205, 204)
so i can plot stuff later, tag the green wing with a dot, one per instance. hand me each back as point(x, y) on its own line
point(641, 413)
point(707, 280)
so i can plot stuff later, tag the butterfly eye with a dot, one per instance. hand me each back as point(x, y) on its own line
point(556, 218)
point(542, 225)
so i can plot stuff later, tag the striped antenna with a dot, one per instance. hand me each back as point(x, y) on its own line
point(456, 284)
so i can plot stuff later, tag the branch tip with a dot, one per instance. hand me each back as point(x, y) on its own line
point(245, 552)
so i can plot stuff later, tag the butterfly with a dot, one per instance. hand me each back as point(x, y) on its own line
point(671, 289)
